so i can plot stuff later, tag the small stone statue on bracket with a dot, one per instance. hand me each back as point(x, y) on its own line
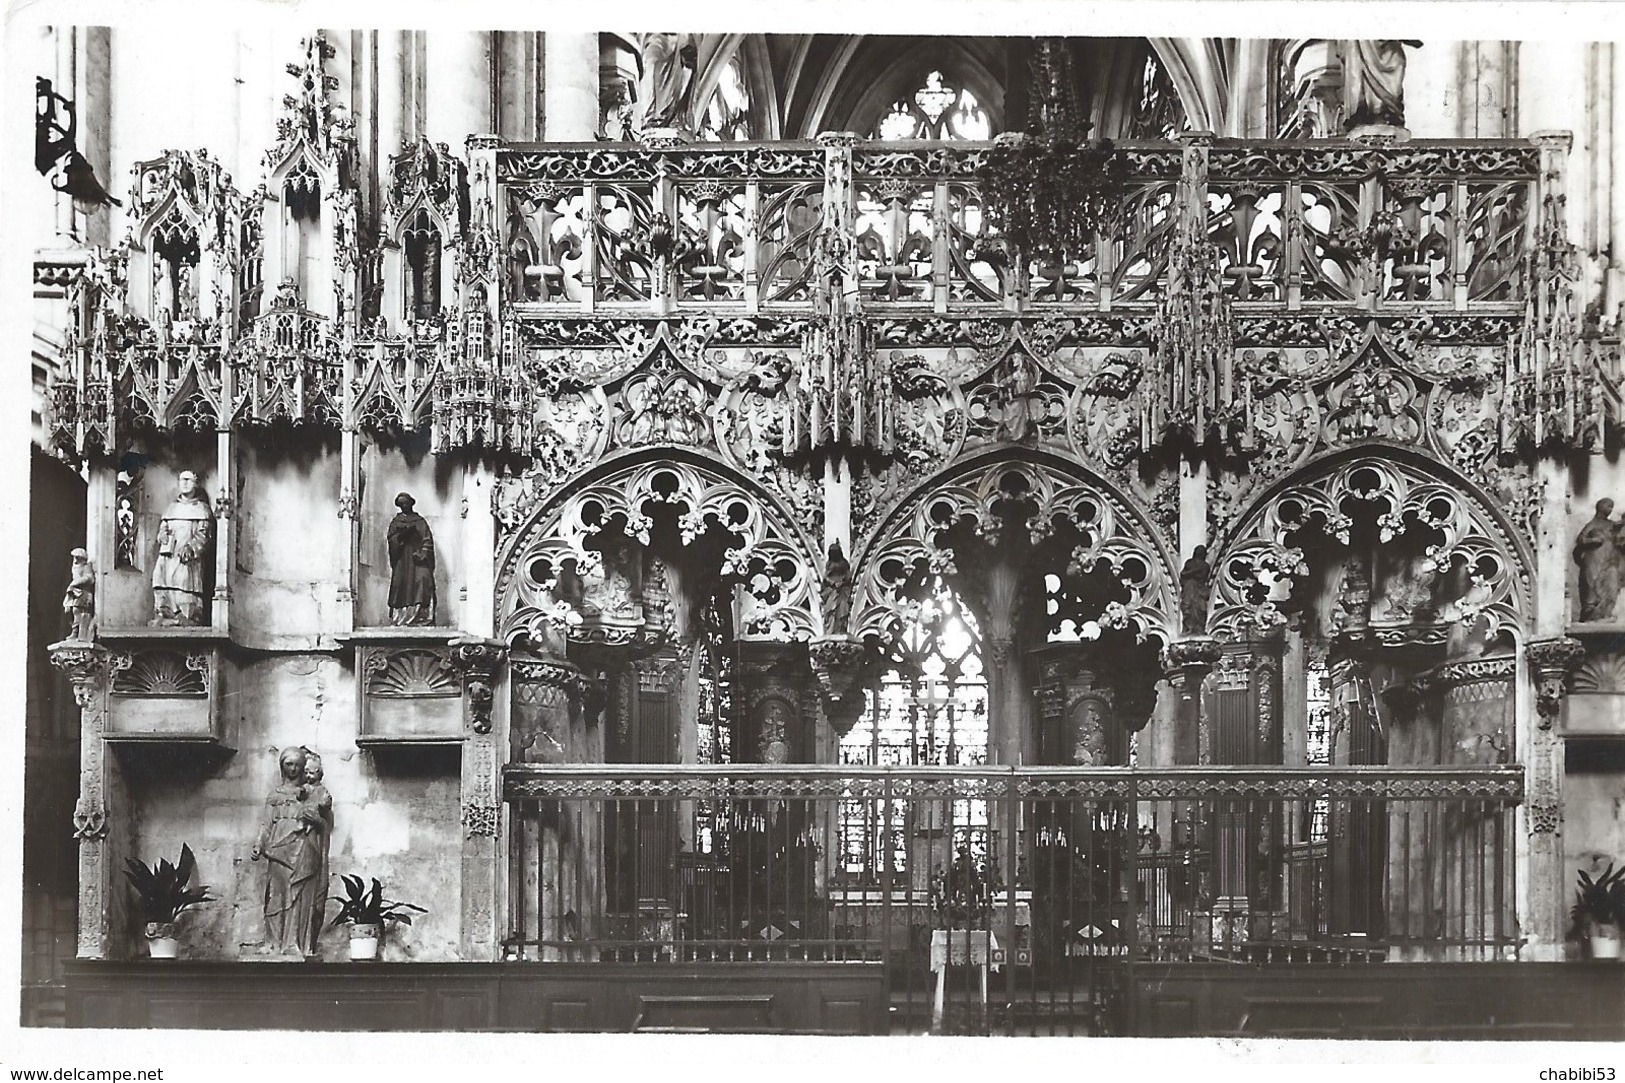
point(411, 566)
point(79, 602)
point(834, 591)
point(1195, 582)
point(1598, 552)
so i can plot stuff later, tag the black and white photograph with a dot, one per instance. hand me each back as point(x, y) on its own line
point(969, 528)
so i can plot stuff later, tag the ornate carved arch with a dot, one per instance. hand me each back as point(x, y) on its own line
point(1034, 494)
point(1259, 565)
point(771, 559)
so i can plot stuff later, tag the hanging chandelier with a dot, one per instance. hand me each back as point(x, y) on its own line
point(1050, 191)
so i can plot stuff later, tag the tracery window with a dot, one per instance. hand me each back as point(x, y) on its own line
point(713, 724)
point(930, 709)
point(937, 110)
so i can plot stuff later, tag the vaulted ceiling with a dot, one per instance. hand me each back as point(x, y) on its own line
point(802, 84)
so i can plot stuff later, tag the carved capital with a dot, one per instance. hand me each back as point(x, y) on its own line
point(482, 142)
point(840, 665)
point(1551, 663)
point(1187, 662)
point(837, 139)
point(85, 666)
point(478, 661)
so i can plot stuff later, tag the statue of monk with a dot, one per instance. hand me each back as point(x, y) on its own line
point(411, 566)
point(185, 546)
point(1597, 552)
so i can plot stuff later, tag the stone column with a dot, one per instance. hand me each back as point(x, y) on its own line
point(569, 87)
point(479, 661)
point(518, 74)
point(102, 815)
point(1476, 729)
point(457, 97)
point(1186, 664)
point(93, 95)
point(1549, 663)
point(555, 883)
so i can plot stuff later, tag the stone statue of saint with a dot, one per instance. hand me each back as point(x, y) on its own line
point(79, 602)
point(411, 566)
point(1374, 83)
point(835, 591)
point(280, 843)
point(308, 900)
point(1195, 582)
point(185, 546)
point(667, 87)
point(1597, 552)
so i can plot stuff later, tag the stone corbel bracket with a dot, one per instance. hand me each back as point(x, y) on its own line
point(85, 666)
point(1186, 662)
point(1551, 663)
point(840, 665)
point(478, 661)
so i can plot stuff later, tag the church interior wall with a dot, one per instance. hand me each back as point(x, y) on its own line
point(285, 592)
point(399, 811)
point(395, 812)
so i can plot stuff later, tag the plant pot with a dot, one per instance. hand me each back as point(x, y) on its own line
point(364, 942)
point(1605, 941)
point(162, 942)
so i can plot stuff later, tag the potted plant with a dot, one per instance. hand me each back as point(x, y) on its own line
point(163, 895)
point(1599, 911)
point(366, 911)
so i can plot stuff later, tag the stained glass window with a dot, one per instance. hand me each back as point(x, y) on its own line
point(930, 709)
point(937, 110)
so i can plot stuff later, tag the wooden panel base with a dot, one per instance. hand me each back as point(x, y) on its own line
point(799, 998)
point(1410, 1001)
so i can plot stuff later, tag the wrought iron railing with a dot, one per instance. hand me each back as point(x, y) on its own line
point(1060, 865)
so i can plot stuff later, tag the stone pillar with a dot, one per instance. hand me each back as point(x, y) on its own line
point(1186, 664)
point(93, 95)
point(1476, 729)
point(555, 881)
point(392, 51)
point(457, 97)
point(518, 74)
point(1549, 663)
point(479, 661)
point(569, 87)
point(101, 816)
